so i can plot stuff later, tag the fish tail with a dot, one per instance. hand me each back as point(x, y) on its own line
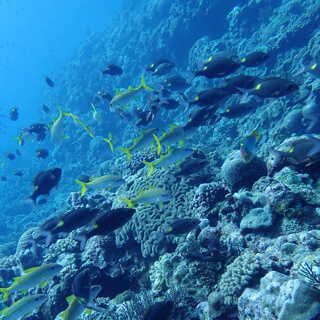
point(83, 185)
point(110, 143)
point(63, 315)
point(159, 144)
point(245, 94)
point(87, 129)
point(19, 140)
point(160, 236)
point(150, 165)
point(5, 293)
point(76, 118)
point(30, 200)
point(191, 75)
point(128, 201)
point(184, 101)
point(302, 68)
point(143, 84)
point(83, 240)
point(100, 74)
point(127, 151)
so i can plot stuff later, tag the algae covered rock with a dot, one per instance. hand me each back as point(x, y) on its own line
point(256, 219)
point(239, 174)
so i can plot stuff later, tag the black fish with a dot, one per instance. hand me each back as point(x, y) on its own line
point(175, 83)
point(240, 81)
point(4, 178)
point(236, 110)
point(112, 70)
point(218, 68)
point(10, 155)
point(170, 104)
point(48, 81)
point(42, 153)
point(271, 88)
point(202, 117)
point(255, 59)
point(45, 108)
point(74, 219)
point(66, 223)
point(84, 178)
point(17, 151)
point(190, 166)
point(180, 226)
point(38, 128)
point(106, 223)
point(43, 182)
point(14, 114)
point(145, 118)
point(223, 54)
point(163, 68)
point(156, 63)
point(209, 97)
point(81, 286)
point(100, 96)
point(17, 173)
point(161, 310)
point(81, 289)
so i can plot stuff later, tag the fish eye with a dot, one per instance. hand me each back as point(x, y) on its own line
point(36, 299)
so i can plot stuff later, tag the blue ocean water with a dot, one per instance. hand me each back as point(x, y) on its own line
point(180, 164)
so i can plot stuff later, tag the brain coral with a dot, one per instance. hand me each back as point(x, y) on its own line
point(239, 174)
point(147, 221)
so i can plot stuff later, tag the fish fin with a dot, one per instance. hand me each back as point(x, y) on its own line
point(245, 94)
point(128, 201)
point(24, 292)
point(158, 142)
point(143, 84)
point(5, 294)
point(42, 284)
point(150, 165)
point(127, 151)
point(27, 314)
point(160, 236)
point(93, 107)
point(83, 185)
point(70, 299)
point(89, 311)
point(173, 126)
point(181, 142)
point(110, 143)
point(160, 205)
point(316, 148)
point(147, 204)
point(191, 75)
point(63, 315)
